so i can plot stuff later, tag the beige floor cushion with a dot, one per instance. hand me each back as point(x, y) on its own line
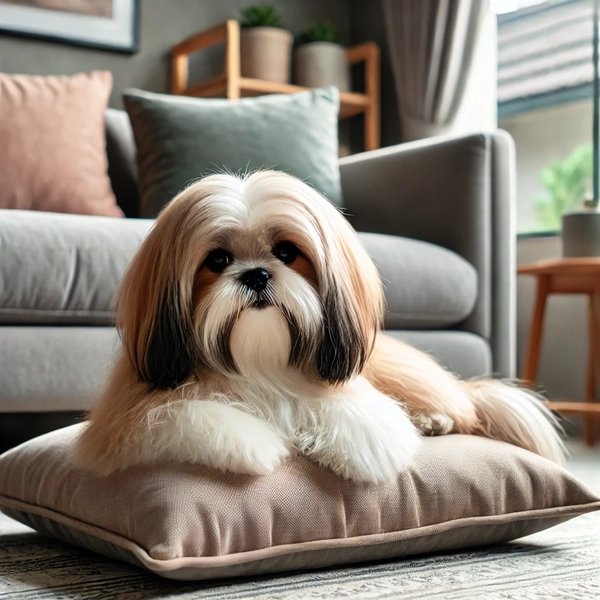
point(189, 522)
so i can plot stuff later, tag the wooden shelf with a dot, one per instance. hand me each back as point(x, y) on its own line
point(351, 103)
point(230, 84)
point(215, 87)
point(574, 408)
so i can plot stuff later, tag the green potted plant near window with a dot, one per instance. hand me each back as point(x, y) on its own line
point(265, 47)
point(320, 59)
point(567, 183)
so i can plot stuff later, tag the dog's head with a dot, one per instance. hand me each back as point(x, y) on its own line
point(259, 272)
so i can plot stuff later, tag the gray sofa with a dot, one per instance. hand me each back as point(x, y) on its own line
point(449, 279)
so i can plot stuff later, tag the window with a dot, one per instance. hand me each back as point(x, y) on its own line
point(545, 74)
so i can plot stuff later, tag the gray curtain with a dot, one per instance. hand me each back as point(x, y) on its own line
point(431, 45)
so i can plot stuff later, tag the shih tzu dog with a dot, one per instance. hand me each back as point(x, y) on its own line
point(250, 321)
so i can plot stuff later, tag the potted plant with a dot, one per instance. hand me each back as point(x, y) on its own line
point(320, 59)
point(567, 183)
point(265, 46)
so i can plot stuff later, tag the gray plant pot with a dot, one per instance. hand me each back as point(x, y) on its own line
point(581, 234)
point(319, 64)
point(266, 53)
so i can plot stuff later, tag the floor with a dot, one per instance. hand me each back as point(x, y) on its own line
point(585, 463)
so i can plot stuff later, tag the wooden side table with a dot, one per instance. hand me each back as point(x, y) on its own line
point(231, 84)
point(568, 276)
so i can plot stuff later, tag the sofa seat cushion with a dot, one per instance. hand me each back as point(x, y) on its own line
point(461, 352)
point(63, 269)
point(66, 269)
point(64, 368)
point(426, 286)
point(53, 369)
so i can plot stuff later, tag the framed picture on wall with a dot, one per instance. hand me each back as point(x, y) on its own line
point(108, 24)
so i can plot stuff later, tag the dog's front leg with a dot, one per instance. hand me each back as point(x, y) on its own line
point(218, 435)
point(359, 433)
point(206, 432)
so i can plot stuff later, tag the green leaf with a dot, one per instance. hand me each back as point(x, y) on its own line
point(566, 182)
point(260, 15)
point(324, 32)
point(547, 177)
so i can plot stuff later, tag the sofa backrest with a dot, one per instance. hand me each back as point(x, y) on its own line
point(122, 161)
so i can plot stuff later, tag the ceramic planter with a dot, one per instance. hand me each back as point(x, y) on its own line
point(319, 64)
point(581, 234)
point(266, 53)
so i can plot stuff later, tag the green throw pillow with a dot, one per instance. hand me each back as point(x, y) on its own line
point(180, 139)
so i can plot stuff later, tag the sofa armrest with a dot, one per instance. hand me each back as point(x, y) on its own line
point(456, 192)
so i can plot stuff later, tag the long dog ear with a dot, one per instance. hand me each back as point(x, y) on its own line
point(154, 316)
point(169, 359)
point(352, 298)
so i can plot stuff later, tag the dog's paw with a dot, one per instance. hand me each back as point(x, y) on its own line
point(379, 451)
point(364, 438)
point(251, 446)
point(219, 435)
point(434, 424)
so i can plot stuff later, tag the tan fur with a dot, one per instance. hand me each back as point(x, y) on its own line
point(495, 409)
point(305, 268)
point(420, 383)
point(204, 279)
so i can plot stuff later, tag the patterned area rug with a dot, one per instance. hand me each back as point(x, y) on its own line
point(561, 563)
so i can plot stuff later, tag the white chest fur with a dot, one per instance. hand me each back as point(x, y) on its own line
point(261, 343)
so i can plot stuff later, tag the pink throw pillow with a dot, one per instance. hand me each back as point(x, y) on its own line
point(53, 144)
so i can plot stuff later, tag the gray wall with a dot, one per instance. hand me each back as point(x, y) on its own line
point(366, 23)
point(163, 24)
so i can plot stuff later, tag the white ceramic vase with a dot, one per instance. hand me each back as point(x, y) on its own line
point(581, 233)
point(319, 64)
point(266, 53)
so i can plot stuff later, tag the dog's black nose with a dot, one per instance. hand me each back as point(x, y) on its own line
point(256, 279)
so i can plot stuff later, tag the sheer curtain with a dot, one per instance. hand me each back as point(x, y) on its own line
point(431, 45)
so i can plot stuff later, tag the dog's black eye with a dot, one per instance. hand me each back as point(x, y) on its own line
point(286, 252)
point(217, 260)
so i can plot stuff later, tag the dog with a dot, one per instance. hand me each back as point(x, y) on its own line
point(251, 324)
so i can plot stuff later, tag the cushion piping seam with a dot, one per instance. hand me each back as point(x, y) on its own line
point(594, 504)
